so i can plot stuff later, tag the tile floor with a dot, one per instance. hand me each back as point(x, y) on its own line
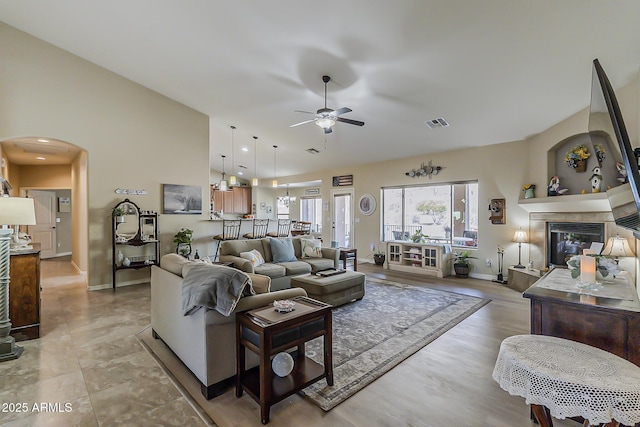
point(88, 368)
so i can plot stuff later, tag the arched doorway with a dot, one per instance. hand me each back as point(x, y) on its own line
point(56, 171)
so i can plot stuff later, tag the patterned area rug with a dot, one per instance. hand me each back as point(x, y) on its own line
point(373, 335)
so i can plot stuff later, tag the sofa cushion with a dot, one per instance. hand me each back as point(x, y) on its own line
point(319, 264)
point(254, 256)
point(174, 263)
point(235, 247)
point(272, 270)
point(295, 268)
point(282, 250)
point(311, 248)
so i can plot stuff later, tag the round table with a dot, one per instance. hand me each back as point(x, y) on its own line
point(565, 378)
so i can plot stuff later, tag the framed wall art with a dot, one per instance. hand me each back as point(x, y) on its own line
point(367, 204)
point(181, 199)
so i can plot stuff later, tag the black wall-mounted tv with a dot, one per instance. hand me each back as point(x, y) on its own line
point(605, 121)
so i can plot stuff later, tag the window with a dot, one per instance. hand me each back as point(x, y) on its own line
point(311, 211)
point(446, 213)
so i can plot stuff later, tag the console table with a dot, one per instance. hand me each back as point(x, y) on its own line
point(267, 333)
point(610, 324)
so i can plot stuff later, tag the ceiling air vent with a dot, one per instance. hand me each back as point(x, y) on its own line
point(440, 122)
point(311, 151)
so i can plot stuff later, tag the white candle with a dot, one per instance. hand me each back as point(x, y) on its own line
point(587, 269)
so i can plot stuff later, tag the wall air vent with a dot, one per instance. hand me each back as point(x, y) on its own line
point(311, 151)
point(440, 122)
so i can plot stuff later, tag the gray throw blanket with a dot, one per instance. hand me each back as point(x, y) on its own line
point(214, 287)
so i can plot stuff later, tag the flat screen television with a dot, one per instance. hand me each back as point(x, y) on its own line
point(605, 121)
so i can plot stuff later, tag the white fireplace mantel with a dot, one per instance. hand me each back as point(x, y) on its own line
point(590, 202)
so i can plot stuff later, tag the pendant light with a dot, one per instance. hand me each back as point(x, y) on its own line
point(223, 182)
point(254, 181)
point(275, 181)
point(232, 179)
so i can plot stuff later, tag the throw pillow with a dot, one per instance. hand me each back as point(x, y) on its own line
point(311, 248)
point(254, 256)
point(282, 250)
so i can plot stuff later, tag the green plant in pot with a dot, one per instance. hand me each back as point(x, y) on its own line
point(417, 237)
point(378, 257)
point(118, 213)
point(183, 240)
point(461, 264)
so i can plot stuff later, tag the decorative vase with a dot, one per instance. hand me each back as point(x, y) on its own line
point(379, 259)
point(529, 193)
point(126, 262)
point(120, 258)
point(581, 166)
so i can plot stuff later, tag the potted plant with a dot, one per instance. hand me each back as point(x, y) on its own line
point(417, 237)
point(378, 257)
point(576, 158)
point(529, 191)
point(118, 213)
point(461, 265)
point(183, 240)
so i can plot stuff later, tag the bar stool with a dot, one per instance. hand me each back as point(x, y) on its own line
point(259, 229)
point(230, 231)
point(301, 228)
point(283, 229)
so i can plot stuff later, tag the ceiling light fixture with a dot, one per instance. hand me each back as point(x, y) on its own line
point(274, 184)
point(288, 201)
point(43, 140)
point(223, 182)
point(232, 179)
point(40, 158)
point(325, 122)
point(254, 181)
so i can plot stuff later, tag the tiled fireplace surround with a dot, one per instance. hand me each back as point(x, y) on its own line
point(538, 230)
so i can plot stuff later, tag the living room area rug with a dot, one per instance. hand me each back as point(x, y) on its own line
point(370, 337)
point(375, 334)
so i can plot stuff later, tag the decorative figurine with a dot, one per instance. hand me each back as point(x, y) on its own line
point(554, 188)
point(622, 173)
point(596, 180)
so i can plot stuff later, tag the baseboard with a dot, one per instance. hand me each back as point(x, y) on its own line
point(63, 254)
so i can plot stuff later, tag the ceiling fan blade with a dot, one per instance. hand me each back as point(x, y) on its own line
point(306, 112)
point(301, 123)
point(351, 122)
point(342, 110)
point(328, 130)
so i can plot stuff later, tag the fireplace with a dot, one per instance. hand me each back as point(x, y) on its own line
point(567, 239)
point(549, 229)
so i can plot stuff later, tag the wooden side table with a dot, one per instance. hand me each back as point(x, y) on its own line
point(267, 333)
point(344, 254)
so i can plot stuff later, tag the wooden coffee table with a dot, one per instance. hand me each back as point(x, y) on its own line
point(267, 333)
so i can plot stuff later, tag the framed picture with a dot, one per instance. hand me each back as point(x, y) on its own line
point(269, 209)
point(367, 204)
point(181, 199)
point(64, 204)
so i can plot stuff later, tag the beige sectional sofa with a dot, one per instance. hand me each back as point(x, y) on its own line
point(205, 341)
point(279, 272)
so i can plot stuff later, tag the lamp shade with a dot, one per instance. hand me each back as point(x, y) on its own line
point(17, 211)
point(520, 236)
point(616, 247)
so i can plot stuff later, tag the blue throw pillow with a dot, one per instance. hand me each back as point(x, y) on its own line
point(282, 250)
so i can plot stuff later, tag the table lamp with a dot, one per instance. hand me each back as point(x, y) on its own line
point(13, 211)
point(617, 247)
point(520, 237)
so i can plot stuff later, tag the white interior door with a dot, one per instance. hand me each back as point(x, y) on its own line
point(343, 218)
point(44, 232)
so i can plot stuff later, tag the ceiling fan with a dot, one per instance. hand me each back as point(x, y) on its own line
point(326, 117)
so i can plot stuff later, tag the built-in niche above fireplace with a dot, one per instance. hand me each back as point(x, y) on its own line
point(567, 239)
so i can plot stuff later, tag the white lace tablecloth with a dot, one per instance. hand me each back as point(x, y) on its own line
point(569, 378)
point(560, 280)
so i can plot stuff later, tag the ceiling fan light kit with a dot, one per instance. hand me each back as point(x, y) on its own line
point(326, 118)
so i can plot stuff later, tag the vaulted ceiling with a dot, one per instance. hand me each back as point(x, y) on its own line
point(496, 70)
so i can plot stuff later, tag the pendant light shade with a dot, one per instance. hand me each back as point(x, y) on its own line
point(223, 182)
point(232, 179)
point(254, 181)
point(275, 175)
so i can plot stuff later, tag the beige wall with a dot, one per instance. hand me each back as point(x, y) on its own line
point(135, 139)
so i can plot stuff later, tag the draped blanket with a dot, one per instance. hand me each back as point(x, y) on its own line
point(214, 287)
